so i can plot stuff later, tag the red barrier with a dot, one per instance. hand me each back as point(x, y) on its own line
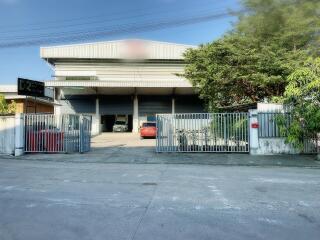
point(45, 141)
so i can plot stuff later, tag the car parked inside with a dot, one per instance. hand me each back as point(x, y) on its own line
point(148, 129)
point(120, 126)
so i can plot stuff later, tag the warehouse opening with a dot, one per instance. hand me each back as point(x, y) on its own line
point(116, 123)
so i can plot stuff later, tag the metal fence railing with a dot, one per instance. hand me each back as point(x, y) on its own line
point(271, 123)
point(57, 133)
point(85, 133)
point(202, 132)
point(311, 145)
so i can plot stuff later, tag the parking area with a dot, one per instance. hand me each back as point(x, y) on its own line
point(129, 140)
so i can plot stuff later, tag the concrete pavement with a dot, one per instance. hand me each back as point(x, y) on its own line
point(75, 200)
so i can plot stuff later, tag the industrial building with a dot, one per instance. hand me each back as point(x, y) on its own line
point(129, 79)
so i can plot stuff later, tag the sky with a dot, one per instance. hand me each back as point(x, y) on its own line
point(35, 23)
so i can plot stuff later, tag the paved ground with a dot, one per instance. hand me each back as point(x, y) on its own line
point(129, 148)
point(75, 200)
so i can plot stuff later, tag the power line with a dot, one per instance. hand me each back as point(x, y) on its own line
point(118, 30)
point(135, 17)
point(77, 19)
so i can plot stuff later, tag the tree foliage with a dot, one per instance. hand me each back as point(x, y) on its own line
point(303, 93)
point(253, 61)
point(6, 108)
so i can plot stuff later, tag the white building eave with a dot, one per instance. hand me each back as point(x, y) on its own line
point(8, 88)
point(120, 84)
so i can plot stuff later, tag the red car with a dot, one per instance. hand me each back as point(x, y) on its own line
point(148, 129)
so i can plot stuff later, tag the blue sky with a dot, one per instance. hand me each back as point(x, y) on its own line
point(22, 19)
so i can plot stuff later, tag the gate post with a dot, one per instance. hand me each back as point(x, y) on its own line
point(225, 147)
point(253, 132)
point(19, 134)
point(81, 134)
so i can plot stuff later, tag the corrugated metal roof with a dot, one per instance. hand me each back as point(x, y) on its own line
point(140, 83)
point(40, 100)
point(121, 49)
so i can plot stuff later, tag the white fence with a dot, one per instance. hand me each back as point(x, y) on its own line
point(272, 139)
point(49, 133)
point(202, 132)
point(31, 133)
point(7, 134)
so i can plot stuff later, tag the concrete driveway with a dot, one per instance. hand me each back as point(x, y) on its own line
point(75, 200)
point(129, 148)
point(129, 140)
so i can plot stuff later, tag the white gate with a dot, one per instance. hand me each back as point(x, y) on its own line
point(203, 132)
point(7, 134)
point(57, 133)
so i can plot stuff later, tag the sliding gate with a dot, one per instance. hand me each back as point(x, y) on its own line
point(203, 132)
point(50, 133)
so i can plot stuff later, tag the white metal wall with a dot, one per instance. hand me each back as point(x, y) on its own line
point(7, 134)
point(123, 72)
point(116, 50)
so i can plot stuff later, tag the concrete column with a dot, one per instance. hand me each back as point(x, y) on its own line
point(57, 108)
point(96, 124)
point(253, 132)
point(135, 117)
point(173, 105)
point(19, 134)
point(97, 106)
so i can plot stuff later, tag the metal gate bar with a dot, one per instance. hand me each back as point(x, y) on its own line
point(85, 132)
point(50, 133)
point(203, 132)
point(269, 127)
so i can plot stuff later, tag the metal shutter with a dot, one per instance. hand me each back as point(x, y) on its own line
point(149, 105)
point(189, 104)
point(78, 104)
point(110, 105)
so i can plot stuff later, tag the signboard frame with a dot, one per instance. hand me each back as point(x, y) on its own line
point(31, 88)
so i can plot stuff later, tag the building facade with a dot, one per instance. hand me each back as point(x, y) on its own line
point(128, 79)
point(25, 104)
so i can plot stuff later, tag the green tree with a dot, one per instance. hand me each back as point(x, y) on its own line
point(6, 108)
point(303, 94)
point(253, 61)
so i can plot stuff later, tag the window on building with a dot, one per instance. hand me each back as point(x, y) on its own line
point(80, 78)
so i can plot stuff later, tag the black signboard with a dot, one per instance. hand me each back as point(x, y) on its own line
point(30, 88)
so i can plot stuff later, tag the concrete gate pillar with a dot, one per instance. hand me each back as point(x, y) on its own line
point(135, 117)
point(19, 135)
point(253, 132)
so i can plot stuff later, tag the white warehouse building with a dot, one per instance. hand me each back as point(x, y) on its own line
point(130, 79)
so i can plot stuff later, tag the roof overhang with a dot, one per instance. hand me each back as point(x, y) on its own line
point(115, 50)
point(39, 100)
point(120, 84)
